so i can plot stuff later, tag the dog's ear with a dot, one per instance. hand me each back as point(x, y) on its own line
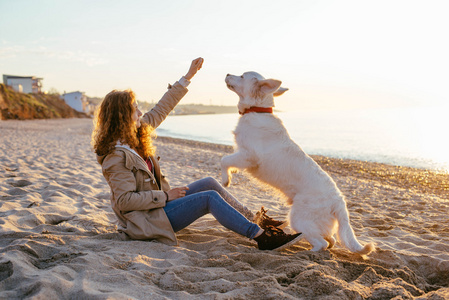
point(268, 86)
point(280, 91)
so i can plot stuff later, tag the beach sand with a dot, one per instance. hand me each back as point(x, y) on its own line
point(58, 238)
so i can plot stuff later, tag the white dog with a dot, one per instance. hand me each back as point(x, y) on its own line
point(265, 150)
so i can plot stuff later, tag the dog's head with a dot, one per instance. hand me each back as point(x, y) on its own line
point(254, 90)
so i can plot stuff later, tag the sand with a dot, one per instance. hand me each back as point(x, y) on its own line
point(58, 238)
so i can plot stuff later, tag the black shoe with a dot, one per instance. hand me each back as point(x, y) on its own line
point(265, 221)
point(275, 239)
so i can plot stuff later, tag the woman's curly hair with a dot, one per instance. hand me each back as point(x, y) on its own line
point(113, 122)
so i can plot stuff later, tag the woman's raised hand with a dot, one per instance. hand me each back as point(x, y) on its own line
point(194, 67)
point(177, 193)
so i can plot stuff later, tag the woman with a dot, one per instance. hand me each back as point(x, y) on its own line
point(145, 205)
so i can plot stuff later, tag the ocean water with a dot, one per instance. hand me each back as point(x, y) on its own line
point(414, 137)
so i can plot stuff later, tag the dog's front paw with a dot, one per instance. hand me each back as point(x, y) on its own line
point(225, 179)
point(226, 171)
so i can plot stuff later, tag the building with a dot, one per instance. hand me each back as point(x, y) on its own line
point(77, 101)
point(23, 84)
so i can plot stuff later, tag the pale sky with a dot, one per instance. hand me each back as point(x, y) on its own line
point(330, 54)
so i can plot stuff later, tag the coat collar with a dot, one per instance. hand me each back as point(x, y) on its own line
point(156, 176)
point(137, 159)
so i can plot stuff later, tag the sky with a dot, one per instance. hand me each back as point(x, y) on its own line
point(345, 54)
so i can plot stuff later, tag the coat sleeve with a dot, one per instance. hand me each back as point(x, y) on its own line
point(123, 186)
point(167, 103)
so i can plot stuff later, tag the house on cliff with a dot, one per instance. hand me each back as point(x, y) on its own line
point(23, 84)
point(76, 100)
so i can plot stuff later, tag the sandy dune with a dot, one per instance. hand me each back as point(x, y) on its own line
point(58, 240)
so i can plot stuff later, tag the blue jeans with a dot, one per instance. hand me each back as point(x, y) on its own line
point(210, 184)
point(208, 196)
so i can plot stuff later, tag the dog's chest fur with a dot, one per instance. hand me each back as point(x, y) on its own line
point(259, 129)
point(276, 158)
point(265, 140)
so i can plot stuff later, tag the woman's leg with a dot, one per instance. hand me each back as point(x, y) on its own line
point(183, 211)
point(210, 184)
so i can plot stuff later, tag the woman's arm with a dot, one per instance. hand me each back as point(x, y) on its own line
point(172, 97)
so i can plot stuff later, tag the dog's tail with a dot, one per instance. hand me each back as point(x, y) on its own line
point(346, 233)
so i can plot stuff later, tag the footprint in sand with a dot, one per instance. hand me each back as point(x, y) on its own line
point(20, 183)
point(6, 269)
point(16, 191)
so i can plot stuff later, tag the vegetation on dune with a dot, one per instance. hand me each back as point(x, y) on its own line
point(20, 106)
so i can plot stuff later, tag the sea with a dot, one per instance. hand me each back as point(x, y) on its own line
point(413, 137)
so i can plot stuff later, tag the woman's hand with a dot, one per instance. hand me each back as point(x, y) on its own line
point(194, 67)
point(177, 193)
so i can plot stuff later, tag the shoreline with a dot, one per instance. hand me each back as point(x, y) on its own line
point(389, 169)
point(422, 180)
point(58, 238)
point(365, 142)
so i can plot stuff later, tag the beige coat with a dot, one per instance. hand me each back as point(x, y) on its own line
point(137, 196)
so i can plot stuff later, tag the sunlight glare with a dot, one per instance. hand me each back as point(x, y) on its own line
point(433, 145)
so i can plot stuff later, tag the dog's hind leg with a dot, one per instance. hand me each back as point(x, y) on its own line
point(318, 243)
point(237, 160)
point(331, 240)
